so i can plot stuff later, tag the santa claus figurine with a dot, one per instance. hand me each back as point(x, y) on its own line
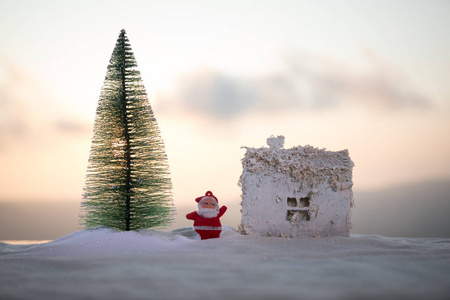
point(207, 217)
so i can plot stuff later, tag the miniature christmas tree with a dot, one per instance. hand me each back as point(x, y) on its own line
point(127, 182)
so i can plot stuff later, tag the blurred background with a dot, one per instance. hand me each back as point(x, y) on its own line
point(367, 76)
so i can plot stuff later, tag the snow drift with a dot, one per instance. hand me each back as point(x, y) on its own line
point(147, 264)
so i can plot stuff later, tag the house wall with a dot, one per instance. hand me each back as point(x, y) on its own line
point(265, 208)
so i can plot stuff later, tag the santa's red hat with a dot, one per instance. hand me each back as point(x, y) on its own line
point(208, 194)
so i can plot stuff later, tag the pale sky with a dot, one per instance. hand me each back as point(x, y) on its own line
point(368, 76)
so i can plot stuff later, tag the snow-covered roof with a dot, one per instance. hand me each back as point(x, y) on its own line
point(305, 164)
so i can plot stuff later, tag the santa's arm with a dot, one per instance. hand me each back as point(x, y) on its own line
point(192, 216)
point(222, 210)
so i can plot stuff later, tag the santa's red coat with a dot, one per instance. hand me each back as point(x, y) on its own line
point(207, 227)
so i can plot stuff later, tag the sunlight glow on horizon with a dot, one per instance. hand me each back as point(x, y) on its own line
point(322, 75)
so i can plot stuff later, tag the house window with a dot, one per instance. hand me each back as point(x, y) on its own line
point(304, 202)
point(292, 202)
point(304, 215)
point(298, 210)
point(291, 215)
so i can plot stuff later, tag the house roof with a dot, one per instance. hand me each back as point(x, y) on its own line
point(305, 164)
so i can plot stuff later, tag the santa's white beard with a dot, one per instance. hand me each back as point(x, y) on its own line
point(208, 212)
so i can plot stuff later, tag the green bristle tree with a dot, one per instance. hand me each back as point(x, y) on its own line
point(127, 183)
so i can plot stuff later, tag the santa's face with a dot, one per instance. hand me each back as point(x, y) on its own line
point(207, 203)
point(208, 208)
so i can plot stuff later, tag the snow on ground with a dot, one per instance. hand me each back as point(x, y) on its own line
point(106, 264)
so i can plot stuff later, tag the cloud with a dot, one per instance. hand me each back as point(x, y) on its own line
point(70, 126)
point(216, 94)
point(302, 83)
point(15, 115)
point(29, 116)
point(376, 85)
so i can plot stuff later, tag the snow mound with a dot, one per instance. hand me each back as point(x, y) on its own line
point(147, 264)
point(105, 242)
